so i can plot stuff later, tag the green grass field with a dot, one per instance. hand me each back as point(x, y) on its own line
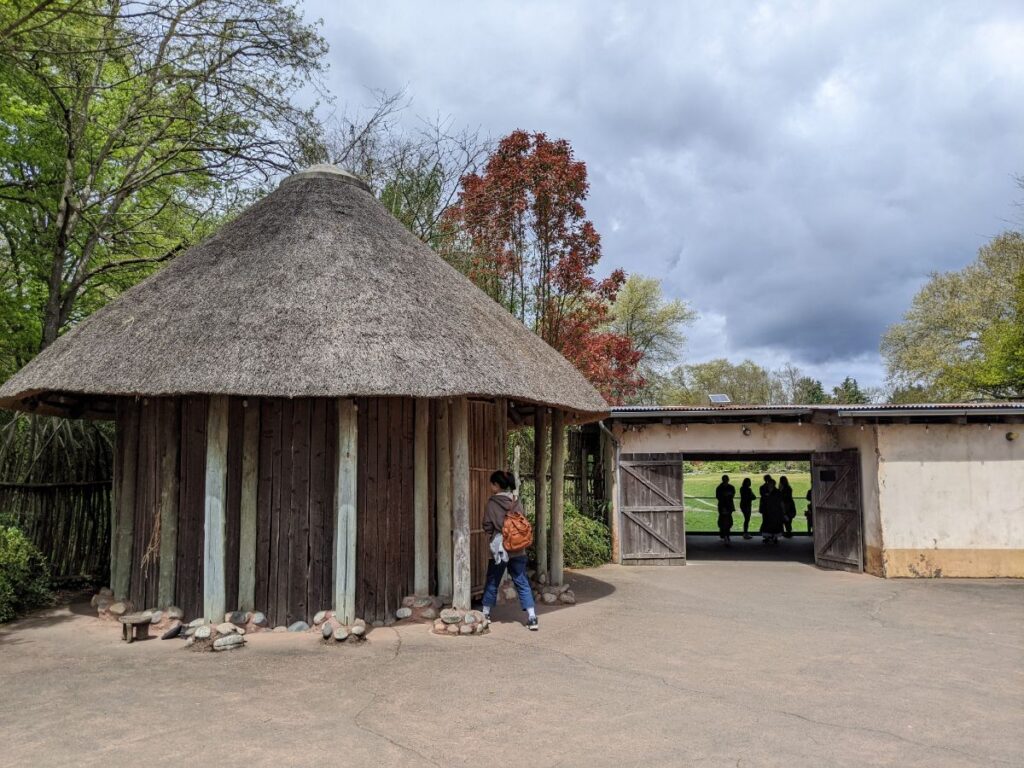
point(702, 509)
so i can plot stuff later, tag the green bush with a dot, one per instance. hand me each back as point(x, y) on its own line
point(588, 541)
point(24, 575)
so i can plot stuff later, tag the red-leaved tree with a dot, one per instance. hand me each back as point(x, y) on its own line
point(524, 238)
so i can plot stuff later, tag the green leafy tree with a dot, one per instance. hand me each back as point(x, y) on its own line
point(746, 382)
point(849, 393)
point(809, 391)
point(125, 129)
point(961, 337)
point(654, 323)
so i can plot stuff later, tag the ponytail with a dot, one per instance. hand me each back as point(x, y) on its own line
point(504, 480)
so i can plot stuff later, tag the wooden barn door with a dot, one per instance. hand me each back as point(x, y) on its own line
point(836, 505)
point(653, 526)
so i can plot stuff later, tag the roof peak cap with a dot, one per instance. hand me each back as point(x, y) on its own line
point(327, 171)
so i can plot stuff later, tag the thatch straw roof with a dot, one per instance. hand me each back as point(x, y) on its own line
point(314, 291)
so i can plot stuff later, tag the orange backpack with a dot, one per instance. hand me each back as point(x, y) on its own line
point(516, 531)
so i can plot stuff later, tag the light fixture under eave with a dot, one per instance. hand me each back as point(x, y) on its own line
point(746, 431)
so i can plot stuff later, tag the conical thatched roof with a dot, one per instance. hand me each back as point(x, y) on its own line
point(315, 291)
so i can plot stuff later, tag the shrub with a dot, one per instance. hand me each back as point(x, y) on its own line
point(24, 575)
point(587, 541)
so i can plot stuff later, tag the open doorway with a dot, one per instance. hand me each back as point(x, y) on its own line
point(773, 513)
point(667, 505)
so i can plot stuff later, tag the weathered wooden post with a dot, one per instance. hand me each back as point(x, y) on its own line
point(443, 496)
point(214, 546)
point(611, 475)
point(540, 487)
point(247, 533)
point(345, 513)
point(123, 520)
point(461, 573)
point(168, 504)
point(421, 498)
point(557, 496)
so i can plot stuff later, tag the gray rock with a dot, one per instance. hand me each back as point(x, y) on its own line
point(280, 629)
point(451, 616)
point(422, 602)
point(228, 642)
point(428, 613)
point(189, 642)
point(403, 613)
point(358, 630)
point(258, 619)
point(227, 628)
point(103, 604)
point(118, 609)
point(298, 626)
point(172, 631)
point(320, 617)
point(543, 578)
point(174, 612)
point(188, 631)
point(469, 619)
point(359, 623)
point(549, 598)
point(203, 632)
point(198, 622)
point(107, 592)
point(237, 618)
point(478, 629)
point(466, 629)
point(453, 629)
point(95, 599)
point(568, 598)
point(341, 634)
point(328, 631)
point(408, 601)
point(439, 626)
point(509, 593)
point(156, 617)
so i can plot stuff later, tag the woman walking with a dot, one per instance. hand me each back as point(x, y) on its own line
point(746, 505)
point(503, 502)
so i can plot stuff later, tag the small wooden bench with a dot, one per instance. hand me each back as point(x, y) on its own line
point(135, 626)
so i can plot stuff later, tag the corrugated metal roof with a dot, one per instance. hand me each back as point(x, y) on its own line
point(883, 410)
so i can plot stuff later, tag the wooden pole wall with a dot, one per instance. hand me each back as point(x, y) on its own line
point(557, 496)
point(345, 512)
point(540, 484)
point(168, 502)
point(611, 470)
point(443, 466)
point(461, 572)
point(215, 509)
point(123, 530)
point(247, 531)
point(421, 498)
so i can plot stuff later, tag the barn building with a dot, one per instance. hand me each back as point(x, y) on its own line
point(308, 407)
point(897, 490)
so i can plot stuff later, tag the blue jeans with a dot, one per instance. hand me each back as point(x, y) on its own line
point(517, 568)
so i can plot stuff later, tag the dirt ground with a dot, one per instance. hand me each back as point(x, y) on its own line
point(718, 663)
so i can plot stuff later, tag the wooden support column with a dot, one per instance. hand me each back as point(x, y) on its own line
point(461, 574)
point(215, 509)
point(421, 499)
point(247, 529)
point(171, 437)
point(557, 496)
point(611, 473)
point(123, 528)
point(540, 486)
point(443, 495)
point(345, 513)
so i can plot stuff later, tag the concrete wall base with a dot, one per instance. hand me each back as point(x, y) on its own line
point(958, 563)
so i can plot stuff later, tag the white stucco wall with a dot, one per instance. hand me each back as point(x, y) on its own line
point(951, 487)
point(725, 438)
point(865, 440)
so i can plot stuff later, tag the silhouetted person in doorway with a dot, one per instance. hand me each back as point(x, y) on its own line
point(771, 513)
point(746, 505)
point(725, 493)
point(762, 492)
point(788, 506)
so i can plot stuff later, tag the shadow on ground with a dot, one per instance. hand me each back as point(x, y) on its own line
point(799, 549)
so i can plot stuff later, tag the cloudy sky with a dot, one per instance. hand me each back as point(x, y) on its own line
point(793, 170)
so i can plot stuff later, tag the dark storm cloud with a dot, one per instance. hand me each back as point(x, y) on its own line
point(793, 170)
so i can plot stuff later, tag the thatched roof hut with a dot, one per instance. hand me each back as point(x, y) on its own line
point(315, 291)
point(310, 366)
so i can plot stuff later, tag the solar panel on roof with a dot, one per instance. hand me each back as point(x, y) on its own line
point(719, 399)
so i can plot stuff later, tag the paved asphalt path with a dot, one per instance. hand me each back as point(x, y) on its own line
point(735, 662)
